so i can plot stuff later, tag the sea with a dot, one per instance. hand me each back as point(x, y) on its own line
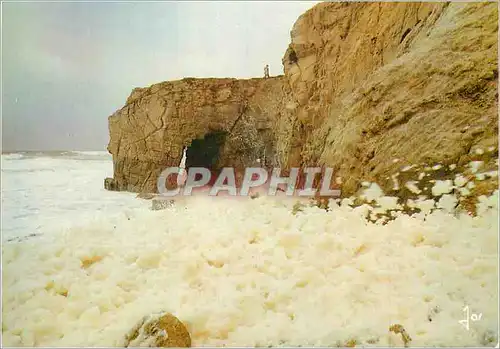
point(47, 191)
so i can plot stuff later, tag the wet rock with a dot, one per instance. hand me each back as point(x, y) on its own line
point(399, 329)
point(158, 330)
point(110, 184)
point(145, 196)
point(161, 203)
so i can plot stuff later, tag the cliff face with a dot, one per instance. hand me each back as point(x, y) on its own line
point(364, 84)
point(149, 133)
point(375, 82)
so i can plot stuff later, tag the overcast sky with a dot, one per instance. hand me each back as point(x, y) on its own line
point(68, 66)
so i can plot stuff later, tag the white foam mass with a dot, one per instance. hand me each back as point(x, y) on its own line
point(372, 191)
point(447, 203)
point(388, 203)
point(442, 187)
point(480, 176)
point(395, 181)
point(460, 180)
point(464, 191)
point(475, 165)
point(236, 272)
point(490, 174)
point(412, 186)
point(250, 273)
point(425, 205)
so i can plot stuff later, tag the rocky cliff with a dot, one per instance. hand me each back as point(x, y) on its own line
point(416, 82)
point(149, 133)
point(368, 88)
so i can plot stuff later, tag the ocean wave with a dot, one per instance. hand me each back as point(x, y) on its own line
point(12, 156)
point(28, 170)
point(73, 154)
point(92, 152)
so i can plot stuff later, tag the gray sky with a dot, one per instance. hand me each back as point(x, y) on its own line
point(68, 66)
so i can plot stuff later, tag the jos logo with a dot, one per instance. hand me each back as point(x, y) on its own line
point(469, 317)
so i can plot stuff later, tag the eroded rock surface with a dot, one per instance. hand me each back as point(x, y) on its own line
point(158, 330)
point(379, 86)
point(149, 133)
point(369, 88)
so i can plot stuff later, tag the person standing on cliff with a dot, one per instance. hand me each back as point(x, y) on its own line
point(266, 71)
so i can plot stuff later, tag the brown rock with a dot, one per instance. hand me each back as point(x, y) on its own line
point(146, 196)
point(364, 84)
point(162, 203)
point(159, 330)
point(375, 82)
point(149, 133)
point(399, 329)
point(469, 204)
point(109, 184)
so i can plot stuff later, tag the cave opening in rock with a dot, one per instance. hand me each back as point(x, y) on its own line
point(204, 152)
point(292, 57)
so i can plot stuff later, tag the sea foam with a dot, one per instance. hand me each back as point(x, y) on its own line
point(250, 273)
